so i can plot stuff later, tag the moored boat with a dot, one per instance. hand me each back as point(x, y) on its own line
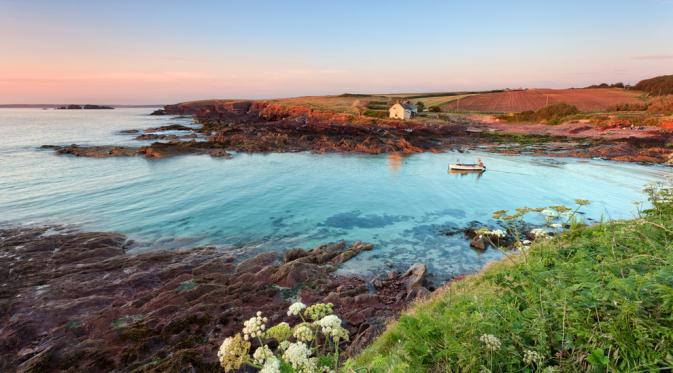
point(473, 167)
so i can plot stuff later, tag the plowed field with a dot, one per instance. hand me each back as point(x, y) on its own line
point(588, 99)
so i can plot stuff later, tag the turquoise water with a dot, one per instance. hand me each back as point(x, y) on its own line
point(278, 201)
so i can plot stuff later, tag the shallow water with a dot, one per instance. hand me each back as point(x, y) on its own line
point(277, 201)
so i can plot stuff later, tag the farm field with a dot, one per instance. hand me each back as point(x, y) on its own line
point(586, 99)
point(441, 101)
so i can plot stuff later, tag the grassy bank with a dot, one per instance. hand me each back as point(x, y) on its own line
point(596, 298)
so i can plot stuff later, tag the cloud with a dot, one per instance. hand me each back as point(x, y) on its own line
point(654, 57)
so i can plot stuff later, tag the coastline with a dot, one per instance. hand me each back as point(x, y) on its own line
point(264, 127)
point(78, 300)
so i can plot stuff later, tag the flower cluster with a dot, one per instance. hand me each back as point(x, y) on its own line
point(331, 327)
point(272, 365)
point(233, 353)
point(532, 357)
point(295, 309)
point(319, 310)
point(303, 333)
point(254, 327)
point(280, 332)
point(262, 354)
point(298, 355)
point(498, 233)
point(491, 342)
point(538, 233)
point(308, 347)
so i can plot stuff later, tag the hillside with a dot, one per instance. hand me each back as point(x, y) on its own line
point(657, 86)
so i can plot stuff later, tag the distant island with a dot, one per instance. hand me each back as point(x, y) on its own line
point(84, 107)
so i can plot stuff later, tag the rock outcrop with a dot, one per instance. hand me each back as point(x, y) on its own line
point(78, 301)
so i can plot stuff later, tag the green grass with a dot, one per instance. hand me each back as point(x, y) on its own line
point(552, 114)
point(596, 298)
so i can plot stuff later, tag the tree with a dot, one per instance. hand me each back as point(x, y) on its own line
point(420, 106)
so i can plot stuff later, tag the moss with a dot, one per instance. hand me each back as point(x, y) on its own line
point(186, 286)
point(523, 139)
point(181, 359)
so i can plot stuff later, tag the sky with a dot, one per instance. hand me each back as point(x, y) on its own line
point(166, 51)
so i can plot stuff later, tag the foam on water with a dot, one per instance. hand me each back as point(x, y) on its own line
point(278, 201)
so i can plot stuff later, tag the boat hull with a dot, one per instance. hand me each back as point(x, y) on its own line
point(465, 167)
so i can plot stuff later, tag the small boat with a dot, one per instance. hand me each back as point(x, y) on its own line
point(469, 167)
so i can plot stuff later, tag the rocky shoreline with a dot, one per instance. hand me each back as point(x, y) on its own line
point(78, 301)
point(262, 127)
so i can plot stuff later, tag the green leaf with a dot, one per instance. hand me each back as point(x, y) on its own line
point(597, 358)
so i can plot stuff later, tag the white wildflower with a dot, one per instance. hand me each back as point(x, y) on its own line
point(331, 327)
point(283, 345)
point(532, 357)
point(492, 342)
point(556, 226)
point(538, 233)
point(303, 333)
point(547, 212)
point(262, 354)
point(272, 365)
point(295, 309)
point(499, 233)
point(254, 327)
point(297, 355)
point(233, 352)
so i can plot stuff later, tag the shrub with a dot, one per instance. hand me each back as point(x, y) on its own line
point(377, 113)
point(435, 109)
point(661, 105)
point(552, 114)
point(628, 107)
point(657, 86)
point(420, 106)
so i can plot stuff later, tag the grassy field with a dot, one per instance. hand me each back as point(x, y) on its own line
point(341, 103)
point(596, 298)
point(440, 101)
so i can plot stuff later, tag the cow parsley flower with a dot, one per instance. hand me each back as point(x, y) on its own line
point(498, 233)
point(303, 333)
point(279, 332)
point(233, 352)
point(297, 355)
point(295, 308)
point(283, 345)
point(318, 311)
point(262, 354)
point(254, 327)
point(532, 357)
point(539, 233)
point(272, 365)
point(556, 225)
point(491, 342)
point(331, 327)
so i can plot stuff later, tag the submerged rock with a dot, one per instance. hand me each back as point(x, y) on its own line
point(156, 150)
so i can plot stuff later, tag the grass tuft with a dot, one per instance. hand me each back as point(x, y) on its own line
point(596, 298)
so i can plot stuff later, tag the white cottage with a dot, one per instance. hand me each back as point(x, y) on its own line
point(403, 110)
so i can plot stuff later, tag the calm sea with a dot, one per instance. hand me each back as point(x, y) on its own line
point(278, 201)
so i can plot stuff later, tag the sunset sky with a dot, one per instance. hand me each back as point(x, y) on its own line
point(152, 51)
